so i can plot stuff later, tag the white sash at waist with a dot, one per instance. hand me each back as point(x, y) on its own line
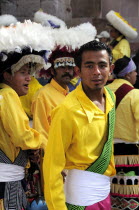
point(10, 172)
point(85, 188)
point(116, 141)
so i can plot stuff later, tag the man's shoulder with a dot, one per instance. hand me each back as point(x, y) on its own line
point(9, 96)
point(135, 93)
point(123, 42)
point(8, 91)
point(43, 91)
point(70, 101)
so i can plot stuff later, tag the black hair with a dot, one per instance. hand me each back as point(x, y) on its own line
point(120, 64)
point(91, 46)
point(136, 57)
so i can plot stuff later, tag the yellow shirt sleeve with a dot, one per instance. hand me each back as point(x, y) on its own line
point(16, 124)
point(54, 160)
point(41, 111)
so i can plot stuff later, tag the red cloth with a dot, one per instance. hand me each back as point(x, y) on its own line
point(102, 205)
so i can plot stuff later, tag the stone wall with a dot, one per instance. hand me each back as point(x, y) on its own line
point(25, 9)
point(74, 12)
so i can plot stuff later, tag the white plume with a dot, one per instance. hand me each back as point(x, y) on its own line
point(74, 37)
point(44, 38)
point(44, 18)
point(26, 34)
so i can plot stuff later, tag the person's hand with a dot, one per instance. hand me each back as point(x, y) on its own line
point(34, 156)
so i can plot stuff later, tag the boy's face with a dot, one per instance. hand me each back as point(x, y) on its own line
point(20, 80)
point(95, 69)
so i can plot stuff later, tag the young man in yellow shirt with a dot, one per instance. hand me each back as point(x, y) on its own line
point(80, 137)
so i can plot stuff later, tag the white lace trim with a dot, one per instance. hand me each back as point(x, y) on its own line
point(40, 63)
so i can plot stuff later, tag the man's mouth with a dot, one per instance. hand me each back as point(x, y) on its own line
point(96, 80)
point(67, 75)
point(26, 85)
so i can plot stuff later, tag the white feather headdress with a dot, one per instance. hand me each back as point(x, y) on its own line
point(118, 22)
point(74, 37)
point(27, 34)
point(48, 20)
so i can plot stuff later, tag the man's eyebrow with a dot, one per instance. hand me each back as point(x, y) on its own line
point(102, 62)
point(89, 62)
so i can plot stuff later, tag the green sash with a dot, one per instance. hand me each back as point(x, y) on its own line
point(101, 164)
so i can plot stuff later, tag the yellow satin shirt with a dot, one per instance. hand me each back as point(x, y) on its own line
point(76, 138)
point(121, 49)
point(15, 132)
point(44, 101)
point(127, 113)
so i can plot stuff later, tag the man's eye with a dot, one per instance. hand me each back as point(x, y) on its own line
point(102, 66)
point(70, 68)
point(89, 66)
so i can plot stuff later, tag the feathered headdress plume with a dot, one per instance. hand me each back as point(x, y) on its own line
point(14, 40)
point(48, 20)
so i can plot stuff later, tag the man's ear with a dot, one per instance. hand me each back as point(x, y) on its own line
point(7, 76)
point(52, 71)
point(127, 77)
point(77, 71)
point(111, 68)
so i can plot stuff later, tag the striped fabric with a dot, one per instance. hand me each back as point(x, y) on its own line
point(14, 196)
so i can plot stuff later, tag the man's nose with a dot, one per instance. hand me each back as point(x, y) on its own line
point(67, 69)
point(96, 70)
point(28, 77)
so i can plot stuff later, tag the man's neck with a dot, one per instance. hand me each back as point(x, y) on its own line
point(63, 85)
point(97, 97)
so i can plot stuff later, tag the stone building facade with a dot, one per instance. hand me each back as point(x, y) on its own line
point(74, 12)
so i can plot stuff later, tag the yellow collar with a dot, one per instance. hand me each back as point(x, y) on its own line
point(87, 104)
point(59, 88)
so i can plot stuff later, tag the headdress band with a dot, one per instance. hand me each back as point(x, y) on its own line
point(36, 59)
point(129, 68)
point(64, 61)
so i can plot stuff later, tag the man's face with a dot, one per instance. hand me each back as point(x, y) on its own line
point(63, 75)
point(95, 69)
point(103, 40)
point(20, 80)
point(132, 77)
point(114, 33)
